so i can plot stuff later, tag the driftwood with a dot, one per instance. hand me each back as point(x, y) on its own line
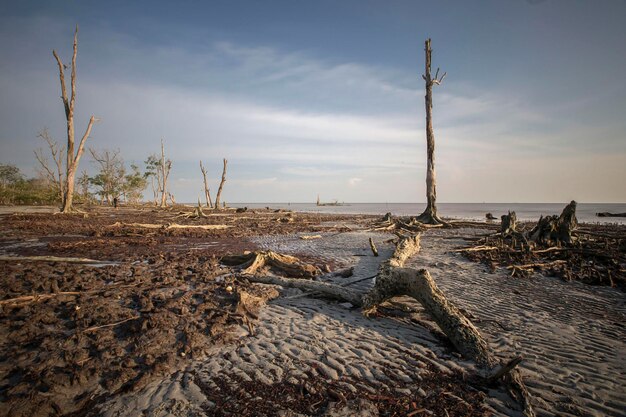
point(310, 237)
point(509, 224)
point(390, 224)
point(53, 259)
point(253, 262)
point(373, 247)
point(490, 216)
point(556, 229)
point(171, 226)
point(607, 214)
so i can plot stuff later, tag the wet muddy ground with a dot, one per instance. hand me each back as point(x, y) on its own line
point(133, 298)
point(74, 333)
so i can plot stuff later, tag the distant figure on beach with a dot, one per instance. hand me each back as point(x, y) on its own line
point(115, 202)
point(490, 216)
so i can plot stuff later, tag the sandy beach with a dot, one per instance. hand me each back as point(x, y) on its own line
point(300, 354)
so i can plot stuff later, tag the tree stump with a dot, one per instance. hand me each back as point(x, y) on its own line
point(254, 262)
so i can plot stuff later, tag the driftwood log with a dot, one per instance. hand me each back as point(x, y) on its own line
point(508, 224)
point(556, 229)
point(607, 214)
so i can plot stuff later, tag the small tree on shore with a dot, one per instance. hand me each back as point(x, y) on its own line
point(72, 157)
point(430, 214)
point(158, 168)
point(109, 181)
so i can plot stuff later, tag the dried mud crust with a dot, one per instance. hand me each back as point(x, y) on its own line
point(73, 335)
point(108, 234)
point(107, 330)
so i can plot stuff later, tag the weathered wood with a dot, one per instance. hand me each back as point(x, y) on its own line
point(373, 247)
point(556, 229)
point(607, 214)
point(164, 167)
point(171, 226)
point(207, 191)
point(34, 258)
point(253, 262)
point(72, 159)
point(429, 215)
point(219, 190)
point(509, 224)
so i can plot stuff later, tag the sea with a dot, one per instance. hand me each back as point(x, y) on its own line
point(585, 212)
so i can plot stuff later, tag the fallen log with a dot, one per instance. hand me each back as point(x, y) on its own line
point(171, 226)
point(373, 247)
point(11, 258)
point(607, 214)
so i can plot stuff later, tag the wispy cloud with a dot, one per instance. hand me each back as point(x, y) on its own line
point(294, 125)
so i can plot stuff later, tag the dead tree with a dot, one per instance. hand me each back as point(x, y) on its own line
point(53, 174)
point(508, 224)
point(219, 190)
point(429, 215)
point(207, 192)
point(73, 158)
point(556, 229)
point(164, 172)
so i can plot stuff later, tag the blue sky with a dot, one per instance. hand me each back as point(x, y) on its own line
point(308, 97)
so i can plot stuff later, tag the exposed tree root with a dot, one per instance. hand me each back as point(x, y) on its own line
point(430, 217)
point(252, 263)
point(389, 224)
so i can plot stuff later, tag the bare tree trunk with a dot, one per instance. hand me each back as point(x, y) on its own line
point(430, 214)
point(207, 193)
point(155, 192)
point(219, 190)
point(165, 173)
point(72, 158)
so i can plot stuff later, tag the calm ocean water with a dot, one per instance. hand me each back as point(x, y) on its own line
point(585, 212)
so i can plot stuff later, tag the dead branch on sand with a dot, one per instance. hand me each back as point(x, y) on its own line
point(554, 246)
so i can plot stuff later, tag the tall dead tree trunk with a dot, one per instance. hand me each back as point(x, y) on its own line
point(207, 192)
point(429, 215)
point(219, 190)
point(68, 103)
point(165, 167)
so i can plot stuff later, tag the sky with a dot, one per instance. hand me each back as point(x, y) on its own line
point(326, 97)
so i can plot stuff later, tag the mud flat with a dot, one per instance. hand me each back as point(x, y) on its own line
point(161, 331)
